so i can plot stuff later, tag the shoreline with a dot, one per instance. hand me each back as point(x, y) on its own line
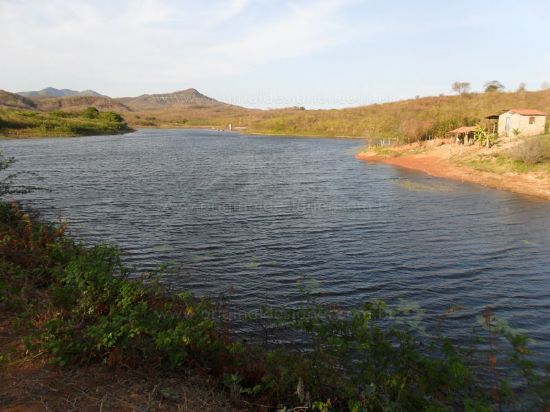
point(61, 136)
point(247, 133)
point(175, 127)
point(438, 162)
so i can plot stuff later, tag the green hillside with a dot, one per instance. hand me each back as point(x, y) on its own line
point(26, 123)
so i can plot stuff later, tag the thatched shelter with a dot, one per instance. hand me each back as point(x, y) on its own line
point(464, 134)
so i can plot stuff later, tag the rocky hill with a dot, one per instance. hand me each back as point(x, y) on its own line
point(73, 103)
point(53, 92)
point(13, 100)
point(182, 98)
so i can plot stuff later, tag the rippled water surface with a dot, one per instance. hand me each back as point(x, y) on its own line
point(257, 214)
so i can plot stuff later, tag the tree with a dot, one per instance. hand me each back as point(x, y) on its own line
point(522, 87)
point(415, 129)
point(461, 87)
point(90, 113)
point(493, 86)
point(545, 86)
point(113, 117)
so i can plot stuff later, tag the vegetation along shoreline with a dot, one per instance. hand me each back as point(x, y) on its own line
point(521, 166)
point(68, 309)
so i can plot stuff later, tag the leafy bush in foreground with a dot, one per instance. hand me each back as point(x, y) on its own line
point(86, 309)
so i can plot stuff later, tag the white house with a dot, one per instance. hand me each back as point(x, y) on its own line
point(528, 122)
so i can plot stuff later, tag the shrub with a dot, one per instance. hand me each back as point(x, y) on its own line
point(117, 320)
point(59, 123)
point(112, 117)
point(90, 113)
point(531, 150)
point(415, 129)
point(60, 113)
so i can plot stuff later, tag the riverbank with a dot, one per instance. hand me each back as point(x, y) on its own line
point(473, 164)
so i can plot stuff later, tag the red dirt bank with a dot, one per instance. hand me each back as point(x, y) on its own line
point(437, 160)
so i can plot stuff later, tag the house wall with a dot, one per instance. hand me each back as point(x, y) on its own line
point(517, 121)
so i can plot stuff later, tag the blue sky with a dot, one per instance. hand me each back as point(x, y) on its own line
point(259, 53)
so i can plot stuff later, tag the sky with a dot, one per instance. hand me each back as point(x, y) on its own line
point(274, 53)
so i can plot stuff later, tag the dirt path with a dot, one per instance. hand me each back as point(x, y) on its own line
point(436, 161)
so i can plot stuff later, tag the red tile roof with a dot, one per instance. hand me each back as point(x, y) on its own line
point(528, 112)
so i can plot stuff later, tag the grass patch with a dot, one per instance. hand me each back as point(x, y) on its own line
point(16, 123)
point(385, 151)
point(532, 154)
point(407, 120)
point(499, 164)
point(532, 150)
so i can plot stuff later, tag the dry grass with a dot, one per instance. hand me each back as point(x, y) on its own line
point(407, 120)
point(531, 150)
point(528, 155)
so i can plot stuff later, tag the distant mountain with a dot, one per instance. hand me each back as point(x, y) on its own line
point(73, 103)
point(13, 100)
point(182, 98)
point(53, 92)
point(70, 103)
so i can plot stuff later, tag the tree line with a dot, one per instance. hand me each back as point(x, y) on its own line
point(491, 86)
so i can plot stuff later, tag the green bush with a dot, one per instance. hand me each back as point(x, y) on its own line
point(60, 113)
point(59, 123)
point(372, 358)
point(114, 319)
point(112, 117)
point(90, 113)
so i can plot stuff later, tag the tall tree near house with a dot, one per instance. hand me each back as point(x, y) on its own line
point(493, 86)
point(461, 87)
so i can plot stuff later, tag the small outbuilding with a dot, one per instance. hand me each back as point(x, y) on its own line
point(521, 122)
point(464, 134)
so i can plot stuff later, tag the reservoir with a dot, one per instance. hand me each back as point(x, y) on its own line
point(253, 217)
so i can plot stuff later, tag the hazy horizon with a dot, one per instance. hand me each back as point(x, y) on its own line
point(322, 54)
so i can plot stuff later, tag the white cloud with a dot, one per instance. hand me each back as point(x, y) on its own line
point(135, 45)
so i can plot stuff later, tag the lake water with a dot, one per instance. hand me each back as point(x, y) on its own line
point(255, 215)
